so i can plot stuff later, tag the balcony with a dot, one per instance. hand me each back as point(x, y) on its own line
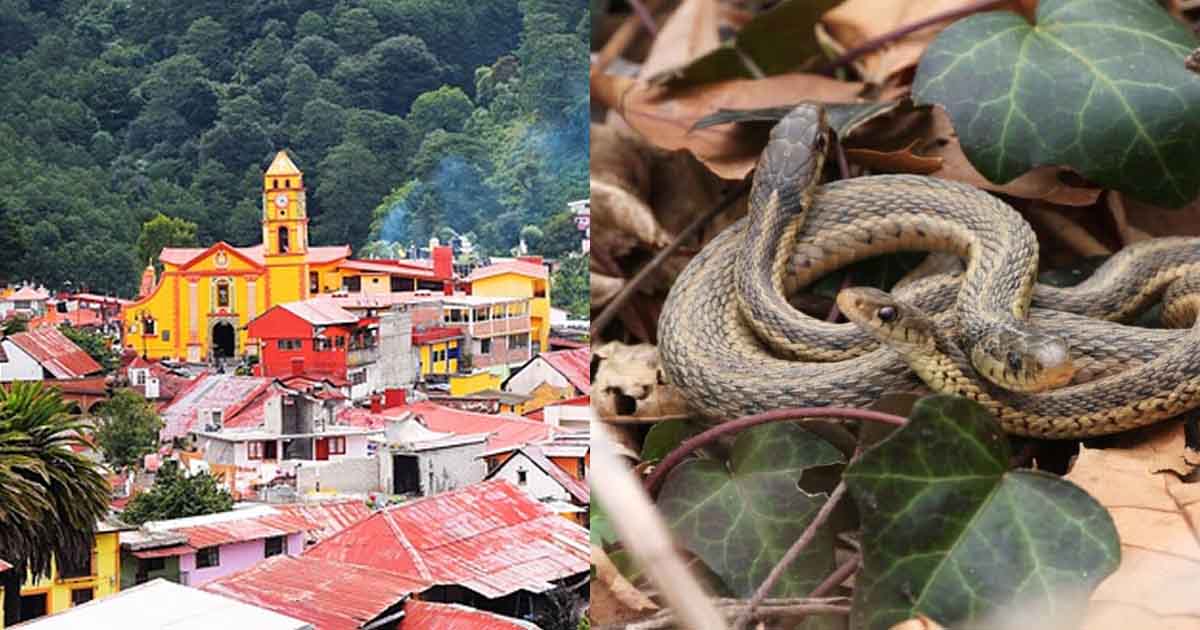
point(362, 356)
point(497, 326)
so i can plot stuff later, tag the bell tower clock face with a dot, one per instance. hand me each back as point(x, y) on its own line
point(281, 201)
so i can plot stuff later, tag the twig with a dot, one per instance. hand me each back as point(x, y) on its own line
point(1067, 231)
point(618, 420)
point(647, 537)
point(643, 14)
point(730, 608)
point(622, 38)
point(618, 301)
point(876, 43)
point(838, 576)
point(654, 481)
point(788, 558)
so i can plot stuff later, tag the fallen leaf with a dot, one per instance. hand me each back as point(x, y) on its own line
point(855, 22)
point(1156, 515)
point(604, 288)
point(613, 599)
point(620, 184)
point(900, 160)
point(629, 384)
point(1158, 221)
point(665, 116)
point(689, 33)
point(920, 622)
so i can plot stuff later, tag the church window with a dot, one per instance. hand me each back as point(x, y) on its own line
point(223, 294)
point(275, 183)
point(287, 183)
point(283, 241)
point(148, 326)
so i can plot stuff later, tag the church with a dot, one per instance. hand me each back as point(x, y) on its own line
point(198, 308)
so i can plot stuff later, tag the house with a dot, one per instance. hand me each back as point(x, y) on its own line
point(211, 400)
point(531, 470)
point(337, 596)
point(25, 301)
point(488, 546)
point(582, 209)
point(207, 547)
point(197, 309)
point(572, 414)
point(504, 432)
point(486, 401)
point(552, 376)
point(525, 277)
point(43, 354)
point(162, 604)
point(73, 582)
point(156, 382)
point(424, 462)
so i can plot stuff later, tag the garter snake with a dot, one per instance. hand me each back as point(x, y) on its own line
point(709, 350)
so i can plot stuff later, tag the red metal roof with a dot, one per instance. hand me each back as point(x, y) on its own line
point(568, 344)
point(575, 365)
point(54, 352)
point(388, 267)
point(29, 293)
point(164, 552)
point(419, 615)
point(320, 312)
point(519, 267)
point(99, 299)
point(78, 318)
point(231, 394)
point(489, 537)
point(182, 256)
point(232, 530)
point(430, 335)
point(329, 595)
point(504, 431)
point(94, 385)
point(327, 517)
point(358, 417)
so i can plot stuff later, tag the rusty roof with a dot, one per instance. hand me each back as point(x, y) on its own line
point(233, 526)
point(488, 537)
point(504, 431)
point(327, 517)
point(319, 312)
point(575, 365)
point(329, 595)
point(231, 394)
point(421, 615)
point(388, 267)
point(55, 353)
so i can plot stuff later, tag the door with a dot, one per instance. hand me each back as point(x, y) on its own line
point(34, 606)
point(322, 449)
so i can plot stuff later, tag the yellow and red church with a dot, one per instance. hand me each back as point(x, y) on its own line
point(198, 308)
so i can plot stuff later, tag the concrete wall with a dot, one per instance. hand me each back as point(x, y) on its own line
point(345, 474)
point(395, 367)
point(450, 468)
point(234, 557)
point(538, 484)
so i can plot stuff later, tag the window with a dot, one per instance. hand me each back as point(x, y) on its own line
point(139, 376)
point(398, 284)
point(522, 476)
point(148, 327)
point(485, 346)
point(284, 245)
point(81, 596)
point(340, 342)
point(337, 446)
point(314, 282)
point(290, 344)
point(482, 314)
point(275, 546)
point(254, 450)
point(287, 183)
point(208, 557)
point(518, 341)
point(352, 284)
point(146, 565)
point(69, 568)
point(428, 285)
point(223, 294)
point(320, 344)
point(374, 280)
point(274, 183)
point(358, 378)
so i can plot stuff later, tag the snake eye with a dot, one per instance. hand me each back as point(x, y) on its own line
point(887, 314)
point(1014, 361)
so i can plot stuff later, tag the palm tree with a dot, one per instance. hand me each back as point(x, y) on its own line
point(50, 496)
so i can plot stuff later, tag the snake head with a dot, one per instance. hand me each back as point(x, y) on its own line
point(895, 323)
point(1023, 361)
point(791, 164)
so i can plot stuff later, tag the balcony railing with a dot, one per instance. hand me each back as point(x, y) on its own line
point(362, 356)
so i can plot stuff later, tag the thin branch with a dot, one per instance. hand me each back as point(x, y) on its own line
point(654, 481)
point(876, 43)
point(776, 608)
point(646, 536)
point(788, 558)
point(618, 420)
point(644, 15)
point(837, 577)
point(618, 301)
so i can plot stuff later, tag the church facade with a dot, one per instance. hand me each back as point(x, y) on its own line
point(197, 310)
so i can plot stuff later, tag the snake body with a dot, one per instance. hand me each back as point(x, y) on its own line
point(709, 349)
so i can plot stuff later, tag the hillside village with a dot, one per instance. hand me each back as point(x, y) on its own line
point(391, 443)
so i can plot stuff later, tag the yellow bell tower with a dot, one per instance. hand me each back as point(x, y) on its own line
point(285, 230)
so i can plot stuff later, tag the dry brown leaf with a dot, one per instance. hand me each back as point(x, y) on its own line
point(920, 622)
point(1156, 516)
point(665, 116)
point(1128, 233)
point(620, 184)
point(689, 33)
point(900, 160)
point(613, 599)
point(604, 288)
point(854, 22)
point(630, 384)
point(1040, 183)
point(1157, 221)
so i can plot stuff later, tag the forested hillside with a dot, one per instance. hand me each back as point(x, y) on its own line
point(407, 116)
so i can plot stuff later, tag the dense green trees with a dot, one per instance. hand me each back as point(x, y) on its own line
point(127, 428)
point(118, 112)
point(175, 494)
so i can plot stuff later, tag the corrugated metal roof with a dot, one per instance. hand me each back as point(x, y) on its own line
point(489, 537)
point(504, 431)
point(234, 526)
point(329, 595)
point(379, 266)
point(575, 365)
point(328, 517)
point(226, 392)
point(54, 352)
point(419, 615)
point(320, 312)
point(163, 552)
point(439, 333)
point(29, 293)
point(519, 267)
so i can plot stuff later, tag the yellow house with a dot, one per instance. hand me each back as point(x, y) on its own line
point(199, 307)
point(524, 277)
point(477, 382)
point(64, 588)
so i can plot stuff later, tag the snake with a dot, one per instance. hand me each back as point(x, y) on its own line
point(711, 352)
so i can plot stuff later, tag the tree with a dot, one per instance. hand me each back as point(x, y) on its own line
point(163, 231)
point(562, 236)
point(14, 325)
point(352, 183)
point(127, 429)
point(95, 344)
point(175, 494)
point(444, 108)
point(51, 496)
point(571, 285)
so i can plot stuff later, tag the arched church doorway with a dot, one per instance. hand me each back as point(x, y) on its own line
point(224, 340)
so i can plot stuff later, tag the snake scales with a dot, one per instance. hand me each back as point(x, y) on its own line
point(711, 352)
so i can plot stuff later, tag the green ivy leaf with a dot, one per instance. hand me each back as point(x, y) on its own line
point(663, 437)
point(775, 41)
point(740, 517)
point(1097, 85)
point(949, 532)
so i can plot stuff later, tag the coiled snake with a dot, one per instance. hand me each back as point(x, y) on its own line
point(711, 352)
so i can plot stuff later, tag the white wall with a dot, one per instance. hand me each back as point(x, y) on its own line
point(534, 374)
point(569, 417)
point(538, 484)
point(20, 366)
